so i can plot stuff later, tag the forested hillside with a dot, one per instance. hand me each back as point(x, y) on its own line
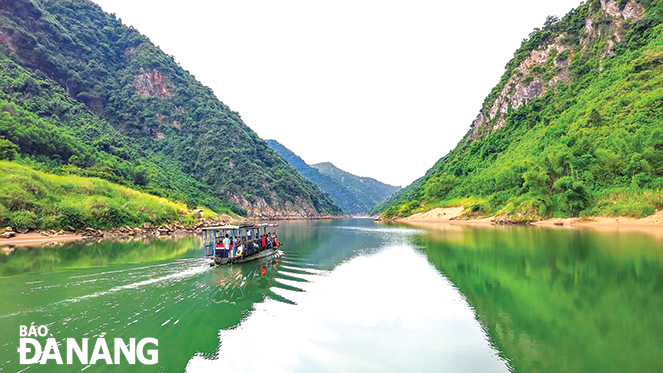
point(82, 94)
point(367, 190)
point(574, 127)
point(355, 195)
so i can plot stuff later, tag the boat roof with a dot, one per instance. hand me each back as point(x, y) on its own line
point(221, 227)
point(243, 226)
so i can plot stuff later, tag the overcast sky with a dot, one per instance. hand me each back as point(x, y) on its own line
point(379, 88)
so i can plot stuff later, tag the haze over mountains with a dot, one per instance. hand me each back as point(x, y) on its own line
point(356, 195)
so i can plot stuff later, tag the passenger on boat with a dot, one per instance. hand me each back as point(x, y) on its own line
point(226, 244)
point(264, 243)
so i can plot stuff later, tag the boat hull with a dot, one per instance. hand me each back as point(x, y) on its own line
point(244, 259)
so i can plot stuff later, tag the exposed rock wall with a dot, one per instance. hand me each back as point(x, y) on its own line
point(152, 83)
point(525, 83)
point(260, 209)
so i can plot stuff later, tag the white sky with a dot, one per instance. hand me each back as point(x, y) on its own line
point(379, 88)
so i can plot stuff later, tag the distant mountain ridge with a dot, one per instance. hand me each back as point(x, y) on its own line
point(356, 195)
point(368, 190)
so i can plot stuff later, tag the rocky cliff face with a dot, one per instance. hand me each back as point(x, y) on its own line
point(260, 209)
point(527, 79)
point(152, 83)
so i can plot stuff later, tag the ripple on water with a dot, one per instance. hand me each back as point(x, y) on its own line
point(370, 313)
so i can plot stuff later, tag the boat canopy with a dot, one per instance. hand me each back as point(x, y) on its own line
point(246, 233)
point(225, 227)
point(236, 227)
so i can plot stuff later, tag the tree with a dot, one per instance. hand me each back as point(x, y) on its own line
point(551, 22)
point(8, 150)
point(140, 176)
point(573, 194)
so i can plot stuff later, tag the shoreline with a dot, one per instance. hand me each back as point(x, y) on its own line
point(450, 215)
point(37, 238)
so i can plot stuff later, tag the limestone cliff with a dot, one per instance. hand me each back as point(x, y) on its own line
point(533, 74)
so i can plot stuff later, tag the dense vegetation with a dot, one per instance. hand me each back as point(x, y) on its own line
point(380, 207)
point(355, 195)
point(31, 199)
point(591, 143)
point(367, 190)
point(82, 94)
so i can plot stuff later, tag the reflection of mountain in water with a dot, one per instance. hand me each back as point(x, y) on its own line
point(325, 244)
point(559, 300)
point(98, 253)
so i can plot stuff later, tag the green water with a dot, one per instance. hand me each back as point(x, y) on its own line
point(353, 295)
point(557, 300)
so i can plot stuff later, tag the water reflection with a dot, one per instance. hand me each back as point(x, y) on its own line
point(157, 288)
point(94, 253)
point(560, 300)
point(362, 298)
point(352, 295)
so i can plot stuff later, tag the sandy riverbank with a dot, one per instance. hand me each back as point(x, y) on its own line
point(654, 221)
point(36, 239)
point(448, 214)
point(444, 215)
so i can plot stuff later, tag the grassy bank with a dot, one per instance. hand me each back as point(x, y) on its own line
point(31, 199)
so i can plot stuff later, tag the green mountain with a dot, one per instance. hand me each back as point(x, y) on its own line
point(574, 127)
point(355, 195)
point(369, 191)
point(82, 94)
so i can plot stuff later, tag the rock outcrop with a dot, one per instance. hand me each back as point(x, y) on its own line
point(260, 209)
point(152, 83)
point(526, 82)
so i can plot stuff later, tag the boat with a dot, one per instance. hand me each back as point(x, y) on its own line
point(247, 243)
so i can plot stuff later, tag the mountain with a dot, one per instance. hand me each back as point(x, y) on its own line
point(343, 197)
point(398, 196)
point(82, 94)
point(574, 127)
point(355, 195)
point(369, 191)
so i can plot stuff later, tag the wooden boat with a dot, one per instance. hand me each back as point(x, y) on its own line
point(246, 242)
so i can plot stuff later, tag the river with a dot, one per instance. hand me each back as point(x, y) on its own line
point(352, 295)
